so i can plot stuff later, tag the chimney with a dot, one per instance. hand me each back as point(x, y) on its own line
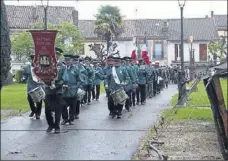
point(75, 17)
point(212, 13)
point(165, 26)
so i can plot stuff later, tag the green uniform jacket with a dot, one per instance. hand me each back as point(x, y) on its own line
point(130, 71)
point(142, 75)
point(122, 75)
point(89, 75)
point(73, 79)
point(31, 84)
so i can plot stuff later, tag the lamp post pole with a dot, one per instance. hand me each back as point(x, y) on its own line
point(181, 83)
point(45, 13)
point(45, 18)
point(182, 39)
point(191, 57)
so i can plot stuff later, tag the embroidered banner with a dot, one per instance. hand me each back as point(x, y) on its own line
point(45, 63)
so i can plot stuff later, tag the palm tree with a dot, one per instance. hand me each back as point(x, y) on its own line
point(109, 23)
point(5, 46)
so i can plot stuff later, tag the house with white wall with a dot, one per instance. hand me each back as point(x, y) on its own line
point(154, 31)
point(162, 36)
point(203, 30)
point(220, 23)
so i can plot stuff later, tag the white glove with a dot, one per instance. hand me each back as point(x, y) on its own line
point(106, 86)
point(52, 86)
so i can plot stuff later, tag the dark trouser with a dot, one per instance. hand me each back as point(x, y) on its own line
point(53, 103)
point(71, 102)
point(154, 87)
point(128, 102)
point(35, 107)
point(150, 90)
point(166, 84)
point(87, 97)
point(141, 92)
point(96, 94)
point(133, 95)
point(114, 109)
point(137, 92)
point(65, 111)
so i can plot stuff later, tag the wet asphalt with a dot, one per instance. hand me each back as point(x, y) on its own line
point(95, 136)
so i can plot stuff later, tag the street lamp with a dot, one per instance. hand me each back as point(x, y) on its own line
point(45, 12)
point(182, 4)
point(181, 82)
point(191, 57)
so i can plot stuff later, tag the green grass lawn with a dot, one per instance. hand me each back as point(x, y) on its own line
point(204, 101)
point(14, 97)
point(195, 99)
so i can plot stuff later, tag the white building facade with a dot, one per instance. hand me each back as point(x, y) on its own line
point(200, 50)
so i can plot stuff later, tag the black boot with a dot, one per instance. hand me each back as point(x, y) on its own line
point(37, 116)
point(64, 122)
point(50, 128)
point(31, 114)
point(57, 130)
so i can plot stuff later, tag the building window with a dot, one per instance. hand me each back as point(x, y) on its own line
point(203, 52)
point(177, 51)
point(158, 51)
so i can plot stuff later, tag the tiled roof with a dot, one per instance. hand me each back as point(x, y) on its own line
point(131, 28)
point(22, 17)
point(202, 29)
point(220, 21)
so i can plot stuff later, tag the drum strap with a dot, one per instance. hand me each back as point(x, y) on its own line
point(33, 74)
point(115, 76)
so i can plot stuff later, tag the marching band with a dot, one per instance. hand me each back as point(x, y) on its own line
point(127, 83)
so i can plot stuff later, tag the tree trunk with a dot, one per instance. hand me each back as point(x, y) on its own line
point(5, 45)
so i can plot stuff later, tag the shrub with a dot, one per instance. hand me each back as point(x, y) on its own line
point(18, 76)
point(9, 79)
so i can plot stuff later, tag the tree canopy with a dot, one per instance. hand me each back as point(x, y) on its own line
point(218, 49)
point(68, 38)
point(22, 45)
point(5, 46)
point(109, 21)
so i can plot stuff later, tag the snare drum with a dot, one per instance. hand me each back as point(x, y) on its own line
point(37, 94)
point(119, 96)
point(80, 94)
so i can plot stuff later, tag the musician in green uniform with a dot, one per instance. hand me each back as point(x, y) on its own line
point(72, 81)
point(135, 88)
point(53, 100)
point(83, 75)
point(116, 79)
point(107, 71)
point(131, 84)
point(150, 80)
point(89, 77)
point(31, 85)
point(65, 115)
point(81, 69)
point(99, 75)
point(142, 81)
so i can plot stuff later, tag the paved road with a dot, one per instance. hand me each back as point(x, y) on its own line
point(94, 136)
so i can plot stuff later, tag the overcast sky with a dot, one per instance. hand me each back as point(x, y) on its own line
point(146, 9)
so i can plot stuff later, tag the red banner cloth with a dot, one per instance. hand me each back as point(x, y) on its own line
point(45, 62)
